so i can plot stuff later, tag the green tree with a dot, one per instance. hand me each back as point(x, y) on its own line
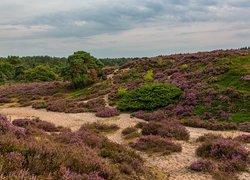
point(83, 69)
point(6, 71)
point(40, 73)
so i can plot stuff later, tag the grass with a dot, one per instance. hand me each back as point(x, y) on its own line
point(239, 66)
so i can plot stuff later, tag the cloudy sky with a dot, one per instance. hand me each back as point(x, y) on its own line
point(117, 28)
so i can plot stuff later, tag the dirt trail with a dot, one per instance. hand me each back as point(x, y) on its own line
point(175, 165)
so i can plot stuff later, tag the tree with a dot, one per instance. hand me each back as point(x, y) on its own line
point(83, 69)
point(40, 73)
point(6, 71)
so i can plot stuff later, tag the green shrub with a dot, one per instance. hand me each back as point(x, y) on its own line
point(40, 73)
point(81, 81)
point(149, 76)
point(149, 97)
point(121, 92)
point(184, 66)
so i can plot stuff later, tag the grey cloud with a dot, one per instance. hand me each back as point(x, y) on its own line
point(113, 17)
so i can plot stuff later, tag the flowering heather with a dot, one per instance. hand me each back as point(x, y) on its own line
point(43, 125)
point(150, 116)
point(166, 129)
point(39, 105)
point(128, 130)
point(12, 162)
point(223, 149)
point(203, 166)
point(222, 157)
point(101, 127)
point(154, 144)
point(246, 78)
point(130, 133)
point(5, 100)
point(6, 127)
point(80, 137)
point(208, 137)
point(72, 155)
point(209, 125)
point(244, 138)
point(108, 112)
point(244, 127)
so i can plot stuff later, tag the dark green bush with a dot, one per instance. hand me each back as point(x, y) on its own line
point(40, 73)
point(81, 81)
point(149, 97)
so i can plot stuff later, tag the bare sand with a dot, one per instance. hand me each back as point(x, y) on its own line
point(175, 165)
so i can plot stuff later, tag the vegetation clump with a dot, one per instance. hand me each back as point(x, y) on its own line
point(244, 138)
point(130, 133)
point(101, 127)
point(43, 125)
point(203, 166)
point(108, 112)
point(166, 129)
point(156, 144)
point(149, 97)
point(228, 155)
point(82, 154)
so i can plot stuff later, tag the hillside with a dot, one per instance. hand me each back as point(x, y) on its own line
point(142, 112)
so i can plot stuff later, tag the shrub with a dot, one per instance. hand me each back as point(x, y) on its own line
point(150, 116)
point(37, 123)
point(95, 105)
point(166, 129)
point(244, 138)
point(128, 130)
point(154, 144)
point(57, 105)
point(101, 127)
point(184, 66)
point(149, 97)
point(244, 127)
point(223, 149)
point(203, 166)
point(40, 73)
point(7, 127)
point(42, 157)
point(222, 157)
point(81, 137)
point(140, 125)
point(130, 133)
point(120, 155)
point(108, 112)
point(5, 100)
point(121, 92)
point(12, 162)
point(148, 77)
point(81, 81)
point(39, 105)
point(197, 123)
point(208, 137)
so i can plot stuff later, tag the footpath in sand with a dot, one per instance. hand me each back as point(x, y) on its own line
point(174, 165)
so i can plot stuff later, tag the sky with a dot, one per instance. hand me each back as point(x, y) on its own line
point(122, 28)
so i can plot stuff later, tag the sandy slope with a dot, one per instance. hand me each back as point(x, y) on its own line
point(175, 165)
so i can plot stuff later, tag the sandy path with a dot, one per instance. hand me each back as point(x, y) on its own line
point(175, 165)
